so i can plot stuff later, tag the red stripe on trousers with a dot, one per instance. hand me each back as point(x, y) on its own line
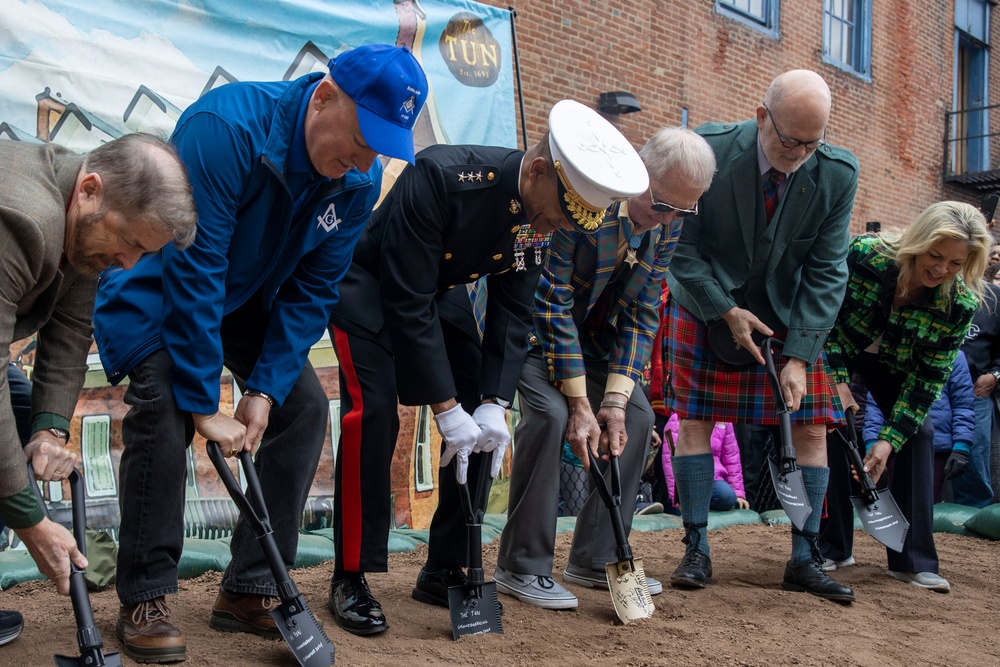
point(350, 460)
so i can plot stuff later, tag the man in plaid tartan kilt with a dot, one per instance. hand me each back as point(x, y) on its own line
point(766, 256)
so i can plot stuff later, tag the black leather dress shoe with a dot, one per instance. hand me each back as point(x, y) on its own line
point(432, 587)
point(809, 577)
point(355, 608)
point(695, 571)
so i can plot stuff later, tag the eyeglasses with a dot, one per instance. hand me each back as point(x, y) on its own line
point(664, 207)
point(795, 143)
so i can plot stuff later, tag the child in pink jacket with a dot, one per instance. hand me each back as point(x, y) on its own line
point(727, 491)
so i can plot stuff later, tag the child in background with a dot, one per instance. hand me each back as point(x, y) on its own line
point(727, 491)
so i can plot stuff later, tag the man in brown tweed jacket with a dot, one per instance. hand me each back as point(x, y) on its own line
point(64, 218)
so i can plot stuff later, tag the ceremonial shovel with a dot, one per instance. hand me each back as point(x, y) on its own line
point(88, 637)
point(626, 578)
point(474, 607)
point(295, 621)
point(785, 474)
point(879, 513)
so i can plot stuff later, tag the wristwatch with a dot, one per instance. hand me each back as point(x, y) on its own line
point(256, 392)
point(60, 433)
point(996, 376)
point(505, 404)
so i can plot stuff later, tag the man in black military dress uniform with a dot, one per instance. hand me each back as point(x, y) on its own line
point(405, 328)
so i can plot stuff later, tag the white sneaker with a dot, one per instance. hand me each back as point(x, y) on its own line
point(534, 590)
point(599, 579)
point(928, 580)
point(829, 565)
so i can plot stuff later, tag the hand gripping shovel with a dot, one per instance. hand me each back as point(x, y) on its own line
point(295, 621)
point(474, 607)
point(785, 475)
point(88, 637)
point(626, 578)
point(879, 513)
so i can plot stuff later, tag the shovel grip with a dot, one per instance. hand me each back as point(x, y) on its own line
point(850, 447)
point(613, 501)
point(259, 522)
point(600, 483)
point(87, 635)
point(787, 448)
point(475, 532)
point(233, 487)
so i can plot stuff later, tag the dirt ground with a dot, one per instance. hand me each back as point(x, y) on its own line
point(744, 619)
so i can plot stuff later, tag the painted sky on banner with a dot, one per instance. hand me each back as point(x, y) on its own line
point(98, 53)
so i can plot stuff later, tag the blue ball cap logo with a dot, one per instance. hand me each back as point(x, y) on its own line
point(389, 88)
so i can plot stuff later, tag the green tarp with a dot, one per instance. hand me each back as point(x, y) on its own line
point(316, 547)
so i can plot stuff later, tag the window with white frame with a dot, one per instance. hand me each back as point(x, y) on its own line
point(847, 34)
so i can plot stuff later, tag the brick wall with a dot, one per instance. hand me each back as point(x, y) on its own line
point(683, 54)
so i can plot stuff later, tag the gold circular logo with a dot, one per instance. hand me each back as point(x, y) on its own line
point(472, 53)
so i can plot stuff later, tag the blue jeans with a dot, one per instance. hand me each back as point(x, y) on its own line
point(723, 496)
point(973, 487)
point(156, 435)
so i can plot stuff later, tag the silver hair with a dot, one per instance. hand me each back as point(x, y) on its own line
point(678, 150)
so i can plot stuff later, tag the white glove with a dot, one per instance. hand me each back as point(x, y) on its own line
point(492, 419)
point(460, 434)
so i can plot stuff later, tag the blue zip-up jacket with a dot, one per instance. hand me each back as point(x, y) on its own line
point(953, 414)
point(236, 142)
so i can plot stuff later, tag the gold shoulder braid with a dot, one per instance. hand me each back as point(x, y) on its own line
point(584, 215)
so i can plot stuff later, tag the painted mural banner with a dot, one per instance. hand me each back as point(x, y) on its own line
point(79, 73)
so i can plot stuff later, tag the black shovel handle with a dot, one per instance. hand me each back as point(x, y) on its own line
point(258, 520)
point(612, 498)
point(474, 522)
point(786, 461)
point(850, 446)
point(88, 637)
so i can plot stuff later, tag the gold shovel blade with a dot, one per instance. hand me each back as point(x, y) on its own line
point(629, 590)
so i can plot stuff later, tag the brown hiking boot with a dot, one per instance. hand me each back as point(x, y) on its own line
point(236, 612)
point(147, 635)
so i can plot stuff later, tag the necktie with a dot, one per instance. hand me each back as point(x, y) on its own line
point(771, 192)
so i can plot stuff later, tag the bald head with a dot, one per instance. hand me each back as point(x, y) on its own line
point(797, 88)
point(798, 103)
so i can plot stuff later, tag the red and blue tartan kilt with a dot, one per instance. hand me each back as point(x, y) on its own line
point(702, 387)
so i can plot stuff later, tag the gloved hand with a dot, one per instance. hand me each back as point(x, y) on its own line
point(492, 419)
point(956, 464)
point(460, 433)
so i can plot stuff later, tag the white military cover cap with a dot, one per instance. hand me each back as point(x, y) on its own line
point(596, 164)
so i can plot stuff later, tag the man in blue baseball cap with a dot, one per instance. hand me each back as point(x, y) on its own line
point(388, 90)
point(285, 177)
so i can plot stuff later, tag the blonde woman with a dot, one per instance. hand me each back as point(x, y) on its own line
point(909, 302)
